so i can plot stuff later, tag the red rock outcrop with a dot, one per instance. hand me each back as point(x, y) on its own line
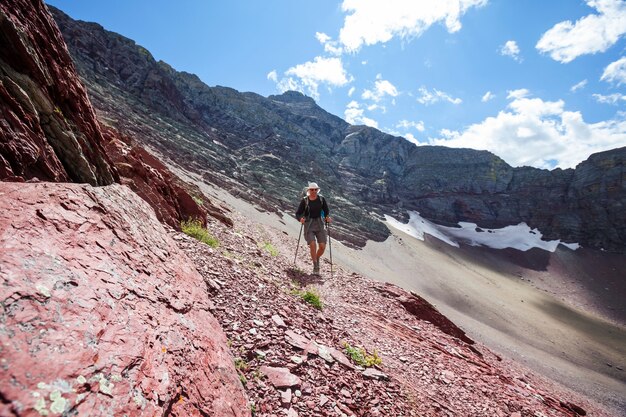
point(423, 310)
point(48, 129)
point(101, 313)
point(153, 182)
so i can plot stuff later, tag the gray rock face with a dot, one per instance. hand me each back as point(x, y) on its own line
point(275, 145)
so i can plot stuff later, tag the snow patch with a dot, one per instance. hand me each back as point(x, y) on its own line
point(520, 236)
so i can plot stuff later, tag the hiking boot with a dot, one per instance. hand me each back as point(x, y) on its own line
point(316, 267)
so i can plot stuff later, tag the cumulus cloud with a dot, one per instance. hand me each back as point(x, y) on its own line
point(381, 89)
point(308, 77)
point(609, 99)
point(411, 138)
point(369, 22)
point(578, 86)
point(322, 37)
point(405, 124)
point(517, 94)
point(488, 96)
point(589, 35)
point(615, 72)
point(330, 46)
point(427, 97)
point(535, 132)
point(354, 115)
point(511, 49)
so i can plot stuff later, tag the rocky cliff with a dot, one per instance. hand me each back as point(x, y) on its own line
point(274, 145)
point(49, 128)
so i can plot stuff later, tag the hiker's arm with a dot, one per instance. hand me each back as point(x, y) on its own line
point(300, 211)
point(326, 211)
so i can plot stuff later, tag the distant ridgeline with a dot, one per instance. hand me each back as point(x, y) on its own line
point(243, 141)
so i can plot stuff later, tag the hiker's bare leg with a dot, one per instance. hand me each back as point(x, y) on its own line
point(321, 250)
point(313, 248)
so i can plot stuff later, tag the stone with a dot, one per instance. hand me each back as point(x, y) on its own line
point(285, 397)
point(280, 377)
point(324, 353)
point(296, 340)
point(340, 357)
point(278, 321)
point(374, 373)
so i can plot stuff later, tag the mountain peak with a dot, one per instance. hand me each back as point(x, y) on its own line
point(292, 97)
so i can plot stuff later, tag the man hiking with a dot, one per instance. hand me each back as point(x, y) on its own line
point(312, 213)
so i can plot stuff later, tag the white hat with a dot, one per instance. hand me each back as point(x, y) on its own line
point(313, 186)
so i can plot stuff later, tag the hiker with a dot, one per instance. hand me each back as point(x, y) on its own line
point(312, 213)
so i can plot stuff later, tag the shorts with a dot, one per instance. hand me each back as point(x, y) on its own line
point(314, 229)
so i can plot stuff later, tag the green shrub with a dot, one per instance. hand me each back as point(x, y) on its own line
point(240, 364)
point(270, 248)
point(361, 357)
point(312, 297)
point(194, 228)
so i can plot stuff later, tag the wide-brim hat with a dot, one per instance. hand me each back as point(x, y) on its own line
point(313, 186)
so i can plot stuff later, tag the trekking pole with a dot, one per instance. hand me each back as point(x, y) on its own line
point(298, 247)
point(330, 249)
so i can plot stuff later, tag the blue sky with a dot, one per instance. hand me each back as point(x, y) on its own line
point(538, 83)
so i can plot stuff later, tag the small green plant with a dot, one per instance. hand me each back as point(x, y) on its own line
point(361, 357)
point(243, 379)
point(253, 408)
point(270, 248)
point(198, 200)
point(311, 297)
point(194, 228)
point(240, 364)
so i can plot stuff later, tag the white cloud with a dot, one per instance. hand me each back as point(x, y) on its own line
point(272, 75)
point(381, 89)
point(578, 86)
point(354, 115)
point(435, 96)
point(511, 49)
point(373, 107)
point(372, 21)
point(517, 94)
point(488, 96)
point(536, 133)
point(412, 139)
point(615, 72)
point(330, 46)
point(589, 35)
point(322, 37)
point(610, 99)
point(351, 91)
point(405, 124)
point(307, 77)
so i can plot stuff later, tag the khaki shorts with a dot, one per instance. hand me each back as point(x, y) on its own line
point(314, 229)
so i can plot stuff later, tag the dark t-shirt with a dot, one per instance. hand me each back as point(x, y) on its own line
point(314, 210)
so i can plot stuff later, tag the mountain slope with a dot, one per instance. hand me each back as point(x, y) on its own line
point(266, 149)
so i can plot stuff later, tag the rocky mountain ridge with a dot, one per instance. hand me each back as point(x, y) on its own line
point(265, 149)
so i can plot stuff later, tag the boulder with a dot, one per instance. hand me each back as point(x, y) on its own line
point(101, 311)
